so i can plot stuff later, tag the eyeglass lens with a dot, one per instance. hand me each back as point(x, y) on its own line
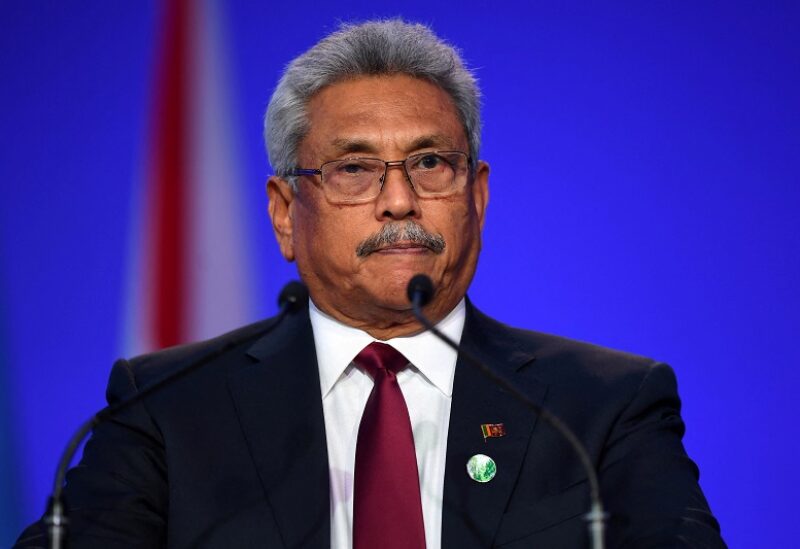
point(361, 179)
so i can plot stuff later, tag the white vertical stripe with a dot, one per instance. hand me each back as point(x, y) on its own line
point(219, 289)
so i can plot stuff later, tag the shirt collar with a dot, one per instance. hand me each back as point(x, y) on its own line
point(337, 344)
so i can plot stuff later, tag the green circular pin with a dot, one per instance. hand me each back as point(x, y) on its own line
point(481, 468)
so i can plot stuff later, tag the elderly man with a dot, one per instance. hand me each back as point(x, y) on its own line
point(344, 423)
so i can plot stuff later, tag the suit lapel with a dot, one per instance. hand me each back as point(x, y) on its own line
point(472, 511)
point(279, 405)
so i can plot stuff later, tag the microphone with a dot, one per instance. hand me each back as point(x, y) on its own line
point(420, 291)
point(291, 299)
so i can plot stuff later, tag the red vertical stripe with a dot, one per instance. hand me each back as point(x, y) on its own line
point(168, 183)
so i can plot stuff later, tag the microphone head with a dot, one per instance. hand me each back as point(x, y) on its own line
point(293, 296)
point(420, 287)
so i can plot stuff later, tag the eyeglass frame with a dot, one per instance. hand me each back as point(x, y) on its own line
point(295, 172)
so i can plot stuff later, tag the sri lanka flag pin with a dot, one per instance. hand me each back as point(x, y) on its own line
point(493, 430)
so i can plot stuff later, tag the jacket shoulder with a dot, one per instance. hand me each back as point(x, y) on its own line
point(150, 367)
point(562, 360)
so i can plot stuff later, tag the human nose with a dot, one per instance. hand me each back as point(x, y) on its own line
point(397, 199)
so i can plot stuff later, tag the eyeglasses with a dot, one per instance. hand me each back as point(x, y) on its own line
point(358, 180)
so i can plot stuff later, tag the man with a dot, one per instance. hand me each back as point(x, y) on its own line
point(344, 423)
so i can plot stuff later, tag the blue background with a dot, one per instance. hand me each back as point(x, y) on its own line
point(645, 190)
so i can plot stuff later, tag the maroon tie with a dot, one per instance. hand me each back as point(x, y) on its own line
point(387, 509)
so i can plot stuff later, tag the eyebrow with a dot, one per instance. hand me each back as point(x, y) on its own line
point(430, 141)
point(345, 145)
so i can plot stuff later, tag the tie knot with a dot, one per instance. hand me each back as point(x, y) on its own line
point(378, 357)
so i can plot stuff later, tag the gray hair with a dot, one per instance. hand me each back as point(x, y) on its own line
point(372, 48)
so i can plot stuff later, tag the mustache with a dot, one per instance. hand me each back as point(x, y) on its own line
point(392, 233)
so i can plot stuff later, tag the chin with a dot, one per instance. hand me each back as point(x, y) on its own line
point(390, 292)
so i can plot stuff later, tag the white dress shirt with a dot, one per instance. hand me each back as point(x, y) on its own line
point(427, 387)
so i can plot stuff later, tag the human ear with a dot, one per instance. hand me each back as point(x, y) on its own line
point(480, 190)
point(281, 196)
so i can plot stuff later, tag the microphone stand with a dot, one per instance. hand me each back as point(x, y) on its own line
point(420, 293)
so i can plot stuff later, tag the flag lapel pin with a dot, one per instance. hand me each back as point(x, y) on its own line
point(493, 430)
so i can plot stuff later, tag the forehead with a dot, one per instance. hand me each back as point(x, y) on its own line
point(381, 115)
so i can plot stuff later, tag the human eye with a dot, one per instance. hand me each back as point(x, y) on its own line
point(428, 161)
point(355, 167)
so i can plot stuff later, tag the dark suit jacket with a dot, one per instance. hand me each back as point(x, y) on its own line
point(234, 454)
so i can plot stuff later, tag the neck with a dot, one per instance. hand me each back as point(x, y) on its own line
point(384, 323)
